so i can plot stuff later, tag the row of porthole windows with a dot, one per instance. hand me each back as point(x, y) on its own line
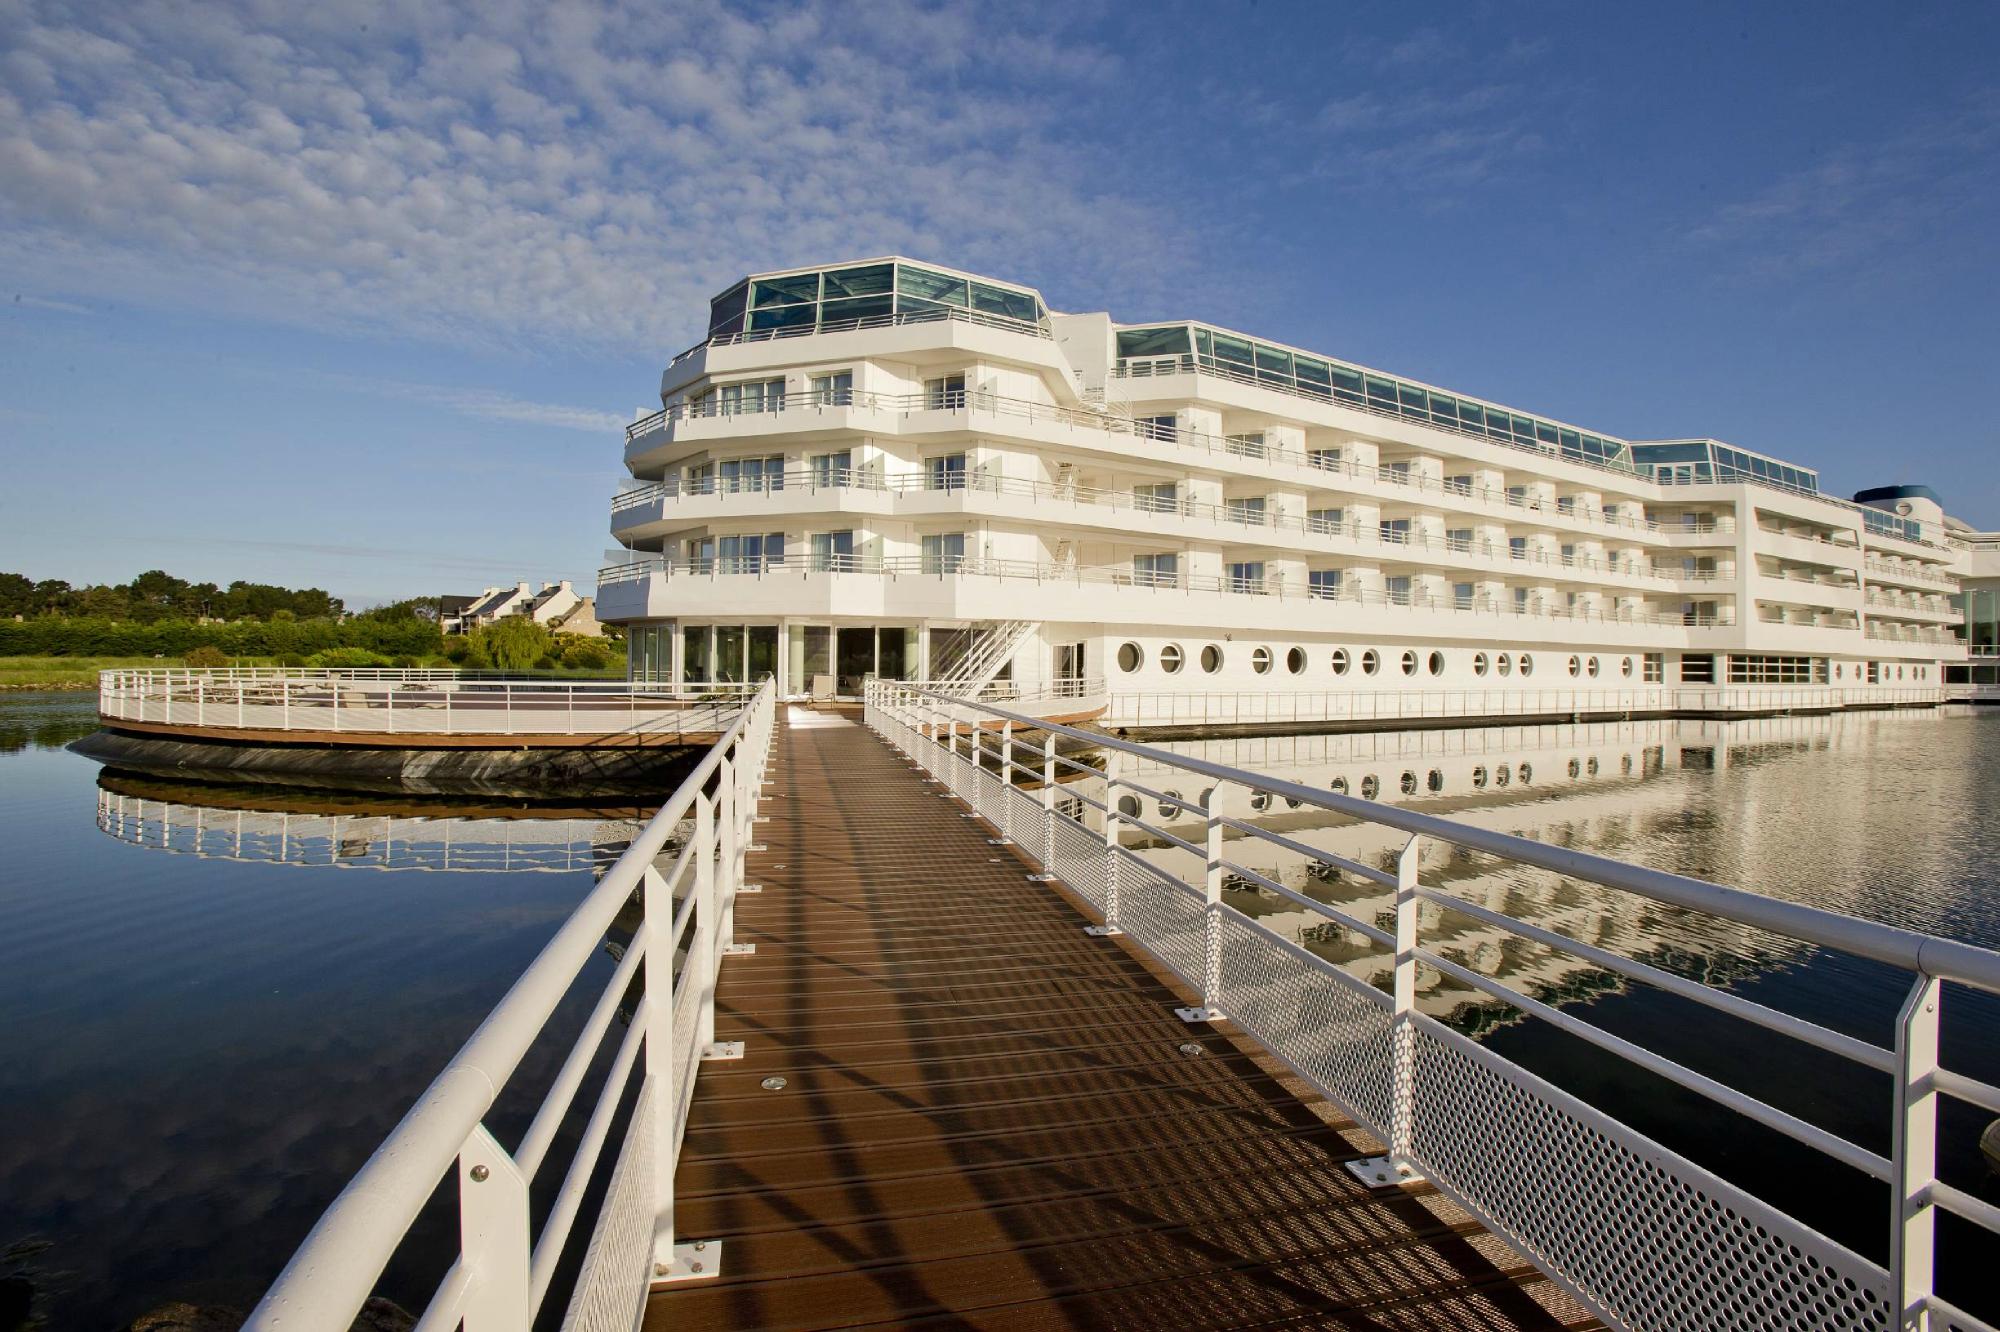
point(1501, 775)
point(1131, 657)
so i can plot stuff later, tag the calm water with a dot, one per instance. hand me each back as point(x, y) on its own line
point(214, 1002)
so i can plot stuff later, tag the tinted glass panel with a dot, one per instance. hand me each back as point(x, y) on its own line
point(996, 301)
point(1310, 371)
point(1153, 341)
point(1381, 391)
point(1545, 432)
point(784, 290)
point(1472, 414)
point(1347, 383)
point(864, 307)
point(1202, 342)
point(873, 280)
point(1273, 364)
point(1413, 401)
point(1444, 408)
point(726, 308)
point(1233, 350)
point(783, 316)
point(930, 286)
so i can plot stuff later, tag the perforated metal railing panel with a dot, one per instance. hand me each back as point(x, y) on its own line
point(1165, 916)
point(992, 1119)
point(613, 1279)
point(1653, 1240)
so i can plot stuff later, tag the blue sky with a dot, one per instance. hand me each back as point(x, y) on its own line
point(357, 294)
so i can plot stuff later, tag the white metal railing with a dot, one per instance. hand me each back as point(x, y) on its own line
point(1154, 583)
point(1480, 552)
point(1642, 1235)
point(1279, 706)
point(1910, 572)
point(371, 702)
point(504, 1272)
point(950, 313)
point(1326, 461)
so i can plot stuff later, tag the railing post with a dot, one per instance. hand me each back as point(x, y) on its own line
point(335, 681)
point(704, 948)
point(1210, 1008)
point(493, 1236)
point(1395, 1166)
point(1912, 1261)
point(1110, 925)
point(1049, 802)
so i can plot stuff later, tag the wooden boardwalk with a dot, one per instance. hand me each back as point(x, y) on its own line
point(989, 1118)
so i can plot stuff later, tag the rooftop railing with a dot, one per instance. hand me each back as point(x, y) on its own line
point(1233, 514)
point(1643, 1235)
point(656, 1011)
point(945, 314)
point(1156, 583)
point(390, 703)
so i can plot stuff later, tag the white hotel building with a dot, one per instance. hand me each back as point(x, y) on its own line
point(895, 469)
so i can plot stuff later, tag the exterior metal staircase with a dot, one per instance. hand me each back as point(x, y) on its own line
point(976, 654)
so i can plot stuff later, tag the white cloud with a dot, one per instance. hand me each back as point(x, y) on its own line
point(25, 301)
point(519, 173)
point(492, 405)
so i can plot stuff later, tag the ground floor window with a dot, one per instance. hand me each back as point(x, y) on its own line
point(1697, 670)
point(1777, 670)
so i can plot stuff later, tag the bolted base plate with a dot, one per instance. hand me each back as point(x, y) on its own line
point(698, 1261)
point(738, 950)
point(1195, 1015)
point(721, 1050)
point(750, 888)
point(1103, 931)
point(756, 846)
point(1041, 878)
point(1378, 1172)
point(999, 841)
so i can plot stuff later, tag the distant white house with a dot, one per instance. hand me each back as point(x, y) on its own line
point(557, 605)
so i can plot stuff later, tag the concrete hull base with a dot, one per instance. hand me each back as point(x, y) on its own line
point(583, 772)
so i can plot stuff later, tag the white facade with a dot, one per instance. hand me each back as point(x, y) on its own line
point(867, 466)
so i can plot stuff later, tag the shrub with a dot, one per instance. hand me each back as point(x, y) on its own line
point(347, 658)
point(456, 649)
point(206, 657)
point(291, 659)
point(586, 654)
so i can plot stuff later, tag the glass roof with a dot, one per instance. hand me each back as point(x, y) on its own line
point(876, 290)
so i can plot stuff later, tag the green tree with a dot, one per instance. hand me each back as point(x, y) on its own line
point(207, 657)
point(513, 642)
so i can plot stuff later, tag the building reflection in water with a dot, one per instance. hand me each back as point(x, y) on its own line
point(1807, 808)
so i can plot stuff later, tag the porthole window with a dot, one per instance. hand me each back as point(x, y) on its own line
point(1339, 786)
point(1170, 808)
point(1409, 663)
point(1836, 672)
point(1502, 774)
point(1437, 663)
point(1505, 664)
point(1575, 768)
point(1479, 663)
point(1295, 661)
point(1371, 662)
point(1626, 669)
point(1479, 777)
point(1130, 657)
point(1576, 665)
point(1172, 658)
point(1590, 768)
point(1370, 788)
point(1625, 765)
point(1211, 659)
point(1128, 806)
point(1409, 783)
point(1590, 668)
point(1260, 660)
point(1340, 662)
point(1260, 801)
point(1436, 780)
point(1208, 800)
point(1527, 664)
point(1527, 774)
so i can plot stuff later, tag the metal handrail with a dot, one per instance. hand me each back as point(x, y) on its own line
point(945, 313)
point(1358, 1037)
point(970, 566)
point(809, 481)
point(496, 1284)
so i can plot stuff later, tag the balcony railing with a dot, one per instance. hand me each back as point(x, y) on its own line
point(1915, 572)
point(1221, 446)
point(947, 314)
point(1152, 582)
point(1227, 513)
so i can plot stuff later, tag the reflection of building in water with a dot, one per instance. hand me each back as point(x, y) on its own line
point(1625, 790)
point(363, 840)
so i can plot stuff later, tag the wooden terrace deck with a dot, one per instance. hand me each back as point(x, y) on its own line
point(990, 1120)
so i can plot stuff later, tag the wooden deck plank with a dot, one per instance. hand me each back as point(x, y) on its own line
point(989, 1120)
